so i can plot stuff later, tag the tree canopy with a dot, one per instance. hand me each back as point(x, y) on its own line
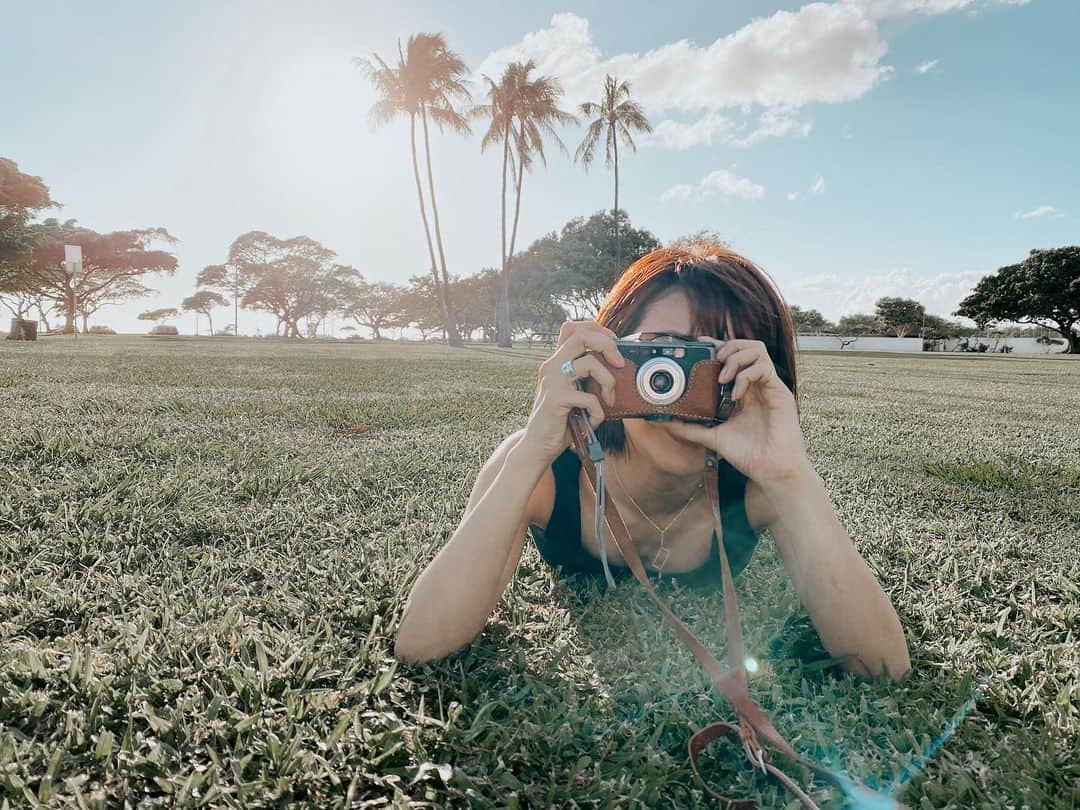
point(809, 321)
point(295, 278)
point(581, 262)
point(901, 316)
point(21, 197)
point(113, 266)
point(1043, 289)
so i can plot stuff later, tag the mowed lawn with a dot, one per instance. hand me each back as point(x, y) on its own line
point(201, 572)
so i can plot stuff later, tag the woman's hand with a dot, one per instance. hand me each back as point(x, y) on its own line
point(548, 429)
point(762, 438)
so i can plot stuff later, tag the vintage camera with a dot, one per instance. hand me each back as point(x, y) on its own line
point(668, 375)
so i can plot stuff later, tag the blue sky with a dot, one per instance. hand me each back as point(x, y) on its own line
point(853, 148)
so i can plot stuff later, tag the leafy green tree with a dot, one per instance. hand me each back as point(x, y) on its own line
point(578, 266)
point(21, 197)
point(860, 324)
point(520, 111)
point(295, 279)
point(809, 321)
point(426, 82)
point(421, 306)
point(701, 237)
point(613, 117)
point(901, 316)
point(91, 300)
point(936, 327)
point(112, 264)
point(377, 306)
point(158, 315)
point(1043, 289)
point(205, 302)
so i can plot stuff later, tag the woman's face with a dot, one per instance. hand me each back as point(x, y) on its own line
point(671, 312)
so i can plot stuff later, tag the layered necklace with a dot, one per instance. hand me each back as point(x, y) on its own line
point(661, 557)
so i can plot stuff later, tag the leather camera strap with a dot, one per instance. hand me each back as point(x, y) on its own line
point(754, 724)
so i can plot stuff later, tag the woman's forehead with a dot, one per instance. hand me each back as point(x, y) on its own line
point(671, 312)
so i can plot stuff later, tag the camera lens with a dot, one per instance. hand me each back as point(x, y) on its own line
point(661, 382)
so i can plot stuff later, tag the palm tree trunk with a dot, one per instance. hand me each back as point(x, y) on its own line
point(504, 305)
point(618, 242)
point(210, 318)
point(517, 202)
point(427, 228)
point(455, 339)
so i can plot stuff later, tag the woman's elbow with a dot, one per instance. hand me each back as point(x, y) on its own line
point(895, 666)
point(410, 651)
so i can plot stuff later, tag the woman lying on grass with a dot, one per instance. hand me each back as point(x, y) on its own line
point(654, 473)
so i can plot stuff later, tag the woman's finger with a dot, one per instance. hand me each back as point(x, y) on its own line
point(589, 365)
point(584, 340)
point(740, 359)
point(760, 372)
point(586, 401)
point(729, 347)
point(570, 327)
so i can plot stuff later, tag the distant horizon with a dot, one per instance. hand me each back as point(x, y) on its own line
point(854, 149)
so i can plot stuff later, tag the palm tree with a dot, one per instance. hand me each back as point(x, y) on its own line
point(520, 110)
point(613, 117)
point(425, 83)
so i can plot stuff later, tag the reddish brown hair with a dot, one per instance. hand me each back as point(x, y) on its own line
point(717, 282)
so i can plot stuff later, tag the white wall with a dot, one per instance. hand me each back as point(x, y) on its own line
point(862, 344)
point(1020, 345)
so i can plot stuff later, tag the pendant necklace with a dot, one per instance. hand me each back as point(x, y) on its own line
point(663, 554)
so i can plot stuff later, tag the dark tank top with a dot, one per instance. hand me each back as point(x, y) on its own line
point(560, 544)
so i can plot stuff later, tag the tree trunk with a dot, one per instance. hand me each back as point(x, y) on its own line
point(85, 318)
point(517, 202)
point(427, 228)
point(618, 242)
point(504, 294)
point(69, 305)
point(236, 302)
point(211, 320)
point(451, 326)
point(1073, 337)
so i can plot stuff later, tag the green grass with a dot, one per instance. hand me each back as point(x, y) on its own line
point(201, 576)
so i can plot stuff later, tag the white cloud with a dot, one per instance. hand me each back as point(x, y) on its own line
point(835, 296)
point(722, 182)
point(676, 135)
point(1041, 211)
point(731, 185)
point(927, 66)
point(793, 195)
point(774, 122)
point(679, 191)
point(821, 53)
point(818, 186)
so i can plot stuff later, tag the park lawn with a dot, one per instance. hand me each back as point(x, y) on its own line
point(201, 573)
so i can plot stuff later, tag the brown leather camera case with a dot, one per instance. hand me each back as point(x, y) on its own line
point(705, 400)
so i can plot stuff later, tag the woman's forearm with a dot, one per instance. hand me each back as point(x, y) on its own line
point(453, 597)
point(847, 605)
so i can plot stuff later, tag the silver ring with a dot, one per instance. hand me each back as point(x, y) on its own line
point(568, 370)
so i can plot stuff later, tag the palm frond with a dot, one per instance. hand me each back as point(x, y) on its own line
point(586, 150)
point(449, 118)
